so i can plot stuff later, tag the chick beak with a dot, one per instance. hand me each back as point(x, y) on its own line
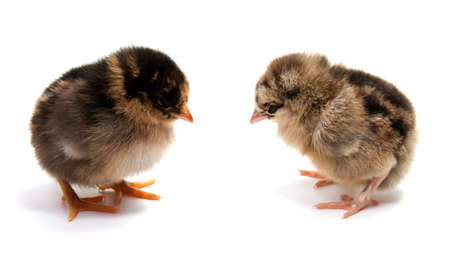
point(184, 114)
point(256, 117)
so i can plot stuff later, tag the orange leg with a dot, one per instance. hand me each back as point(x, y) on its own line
point(77, 205)
point(315, 174)
point(354, 206)
point(131, 189)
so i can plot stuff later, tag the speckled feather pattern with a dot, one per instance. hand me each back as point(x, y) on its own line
point(352, 125)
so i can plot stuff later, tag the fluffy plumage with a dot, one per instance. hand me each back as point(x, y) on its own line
point(101, 122)
point(352, 125)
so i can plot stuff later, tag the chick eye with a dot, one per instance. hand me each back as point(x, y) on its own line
point(272, 109)
point(263, 84)
point(162, 102)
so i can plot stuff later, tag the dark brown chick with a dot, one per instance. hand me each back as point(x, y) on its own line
point(357, 129)
point(102, 122)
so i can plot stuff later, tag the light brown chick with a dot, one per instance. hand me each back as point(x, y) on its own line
point(357, 129)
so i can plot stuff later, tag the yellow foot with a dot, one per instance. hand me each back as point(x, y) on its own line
point(131, 189)
point(77, 205)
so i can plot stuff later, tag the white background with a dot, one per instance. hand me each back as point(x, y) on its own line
point(227, 186)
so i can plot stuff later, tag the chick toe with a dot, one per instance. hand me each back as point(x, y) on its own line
point(77, 205)
point(315, 174)
point(95, 199)
point(358, 206)
point(141, 185)
point(131, 189)
point(311, 173)
point(323, 183)
point(348, 204)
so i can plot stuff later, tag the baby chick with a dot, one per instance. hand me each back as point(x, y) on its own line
point(104, 121)
point(357, 129)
